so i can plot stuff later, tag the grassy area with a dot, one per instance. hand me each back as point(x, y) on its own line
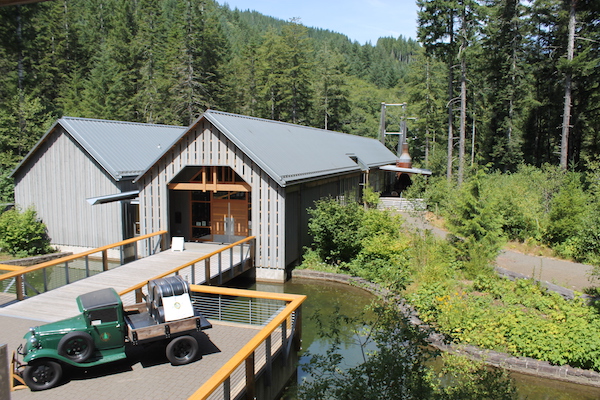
point(530, 248)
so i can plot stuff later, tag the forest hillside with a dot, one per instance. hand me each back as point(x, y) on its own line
point(485, 84)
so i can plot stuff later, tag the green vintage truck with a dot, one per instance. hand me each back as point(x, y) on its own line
point(104, 328)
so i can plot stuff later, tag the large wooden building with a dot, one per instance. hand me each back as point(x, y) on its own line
point(225, 177)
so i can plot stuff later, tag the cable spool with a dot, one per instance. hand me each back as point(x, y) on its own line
point(164, 287)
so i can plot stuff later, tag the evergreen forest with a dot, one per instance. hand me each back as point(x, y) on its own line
point(499, 83)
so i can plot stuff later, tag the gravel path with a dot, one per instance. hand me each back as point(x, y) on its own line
point(570, 275)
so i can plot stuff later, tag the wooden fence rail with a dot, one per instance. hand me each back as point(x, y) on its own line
point(18, 273)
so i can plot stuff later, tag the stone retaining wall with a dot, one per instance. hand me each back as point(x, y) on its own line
point(26, 262)
point(523, 365)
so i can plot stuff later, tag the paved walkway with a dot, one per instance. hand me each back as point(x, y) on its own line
point(145, 375)
point(570, 275)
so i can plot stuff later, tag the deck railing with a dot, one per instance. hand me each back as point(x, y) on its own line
point(241, 259)
point(279, 333)
point(21, 282)
point(279, 315)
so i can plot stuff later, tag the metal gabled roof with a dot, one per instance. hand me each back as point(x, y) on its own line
point(292, 153)
point(123, 149)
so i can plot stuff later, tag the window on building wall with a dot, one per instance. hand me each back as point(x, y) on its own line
point(223, 175)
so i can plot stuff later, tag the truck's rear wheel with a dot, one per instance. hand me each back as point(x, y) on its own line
point(182, 350)
point(76, 346)
point(42, 374)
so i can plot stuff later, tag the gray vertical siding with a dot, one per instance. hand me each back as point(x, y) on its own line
point(300, 198)
point(204, 145)
point(57, 182)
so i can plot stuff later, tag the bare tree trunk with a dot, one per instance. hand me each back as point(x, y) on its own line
point(463, 120)
point(450, 121)
point(564, 142)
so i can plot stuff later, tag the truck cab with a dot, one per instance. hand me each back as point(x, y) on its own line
point(97, 333)
point(102, 311)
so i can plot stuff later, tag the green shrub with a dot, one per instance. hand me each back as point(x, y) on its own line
point(439, 195)
point(383, 259)
point(334, 229)
point(476, 224)
point(23, 234)
point(518, 200)
point(568, 211)
point(370, 197)
point(520, 318)
point(338, 230)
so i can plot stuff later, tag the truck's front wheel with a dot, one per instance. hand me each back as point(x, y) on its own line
point(182, 350)
point(42, 374)
point(76, 346)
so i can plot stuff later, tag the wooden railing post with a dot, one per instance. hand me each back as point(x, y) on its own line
point(220, 259)
point(250, 378)
point(207, 271)
point(20, 288)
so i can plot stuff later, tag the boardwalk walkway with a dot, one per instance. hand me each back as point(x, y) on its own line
point(60, 303)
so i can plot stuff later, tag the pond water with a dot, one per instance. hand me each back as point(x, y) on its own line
point(324, 296)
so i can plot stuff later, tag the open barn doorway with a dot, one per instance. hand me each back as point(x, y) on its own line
point(209, 204)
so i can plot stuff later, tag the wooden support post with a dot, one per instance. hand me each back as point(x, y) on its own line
point(269, 362)
point(284, 340)
point(104, 260)
point(163, 242)
point(207, 271)
point(20, 288)
point(139, 296)
point(45, 274)
point(227, 389)
point(5, 373)
point(231, 271)
point(87, 267)
point(298, 332)
point(250, 378)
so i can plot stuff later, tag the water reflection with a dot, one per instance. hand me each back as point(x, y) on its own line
point(352, 301)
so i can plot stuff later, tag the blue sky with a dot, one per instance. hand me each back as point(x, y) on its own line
point(360, 20)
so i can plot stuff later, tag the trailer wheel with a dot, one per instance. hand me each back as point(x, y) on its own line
point(76, 346)
point(182, 350)
point(42, 374)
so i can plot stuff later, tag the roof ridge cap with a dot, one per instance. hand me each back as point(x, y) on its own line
point(67, 118)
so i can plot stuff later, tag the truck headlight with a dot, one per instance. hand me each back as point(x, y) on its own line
point(34, 342)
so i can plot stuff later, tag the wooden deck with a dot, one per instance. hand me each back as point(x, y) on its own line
point(60, 303)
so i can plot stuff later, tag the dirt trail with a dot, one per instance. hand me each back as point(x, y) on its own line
point(570, 275)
